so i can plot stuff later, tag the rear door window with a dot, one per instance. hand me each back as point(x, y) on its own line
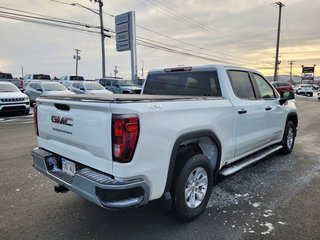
point(241, 84)
point(202, 83)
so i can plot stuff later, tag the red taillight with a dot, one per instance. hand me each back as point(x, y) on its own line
point(125, 133)
point(35, 119)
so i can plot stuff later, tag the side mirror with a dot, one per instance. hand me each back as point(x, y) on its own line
point(285, 96)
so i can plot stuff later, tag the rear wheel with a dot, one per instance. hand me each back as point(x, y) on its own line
point(193, 186)
point(288, 137)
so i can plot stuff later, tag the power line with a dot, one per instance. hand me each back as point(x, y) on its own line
point(47, 24)
point(142, 41)
point(189, 44)
point(66, 3)
point(222, 55)
point(49, 19)
point(188, 20)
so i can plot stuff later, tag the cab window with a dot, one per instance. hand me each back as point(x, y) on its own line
point(266, 91)
point(241, 84)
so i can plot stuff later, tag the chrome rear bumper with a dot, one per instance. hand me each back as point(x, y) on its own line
point(99, 188)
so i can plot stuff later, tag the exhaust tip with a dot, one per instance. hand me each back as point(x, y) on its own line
point(61, 189)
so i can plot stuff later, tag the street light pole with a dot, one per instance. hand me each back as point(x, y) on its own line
point(100, 13)
point(102, 36)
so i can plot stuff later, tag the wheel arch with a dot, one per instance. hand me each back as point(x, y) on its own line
point(293, 117)
point(192, 138)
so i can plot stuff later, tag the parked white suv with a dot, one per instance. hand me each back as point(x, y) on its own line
point(305, 89)
point(12, 99)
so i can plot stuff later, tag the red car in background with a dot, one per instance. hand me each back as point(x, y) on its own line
point(282, 87)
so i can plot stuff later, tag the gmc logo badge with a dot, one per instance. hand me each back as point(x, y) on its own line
point(62, 120)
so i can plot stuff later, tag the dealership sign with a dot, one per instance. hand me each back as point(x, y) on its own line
point(307, 69)
point(307, 73)
point(125, 31)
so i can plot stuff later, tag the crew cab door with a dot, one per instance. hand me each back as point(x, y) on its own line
point(251, 131)
point(274, 113)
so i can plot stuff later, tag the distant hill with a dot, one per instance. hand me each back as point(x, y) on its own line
point(296, 79)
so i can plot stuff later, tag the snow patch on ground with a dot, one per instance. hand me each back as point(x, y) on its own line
point(256, 204)
point(269, 226)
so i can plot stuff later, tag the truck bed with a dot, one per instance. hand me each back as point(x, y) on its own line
point(116, 98)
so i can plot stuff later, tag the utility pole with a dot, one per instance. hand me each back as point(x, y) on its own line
point(291, 63)
point(102, 37)
point(77, 58)
point(275, 78)
point(115, 71)
point(142, 65)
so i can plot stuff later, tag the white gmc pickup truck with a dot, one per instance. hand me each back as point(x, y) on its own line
point(170, 143)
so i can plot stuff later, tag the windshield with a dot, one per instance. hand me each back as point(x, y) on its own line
point(53, 86)
point(41, 77)
point(126, 83)
point(8, 87)
point(94, 86)
point(5, 76)
point(79, 78)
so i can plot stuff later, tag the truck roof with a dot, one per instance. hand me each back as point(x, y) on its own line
point(200, 68)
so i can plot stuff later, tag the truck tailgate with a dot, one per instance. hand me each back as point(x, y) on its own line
point(78, 131)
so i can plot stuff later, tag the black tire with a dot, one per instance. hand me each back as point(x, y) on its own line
point(288, 137)
point(311, 94)
point(200, 192)
point(318, 98)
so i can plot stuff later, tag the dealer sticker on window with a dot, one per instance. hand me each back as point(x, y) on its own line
point(68, 167)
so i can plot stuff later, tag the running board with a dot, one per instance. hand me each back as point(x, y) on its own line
point(236, 167)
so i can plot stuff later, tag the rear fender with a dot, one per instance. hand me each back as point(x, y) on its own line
point(189, 137)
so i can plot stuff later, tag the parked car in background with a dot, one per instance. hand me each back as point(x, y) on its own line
point(87, 88)
point(12, 99)
point(30, 77)
point(304, 89)
point(282, 87)
point(315, 86)
point(7, 77)
point(120, 86)
point(66, 80)
point(37, 88)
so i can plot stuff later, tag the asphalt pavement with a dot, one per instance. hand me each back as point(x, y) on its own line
point(278, 198)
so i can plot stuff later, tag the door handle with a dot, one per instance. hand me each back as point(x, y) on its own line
point(268, 108)
point(242, 111)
